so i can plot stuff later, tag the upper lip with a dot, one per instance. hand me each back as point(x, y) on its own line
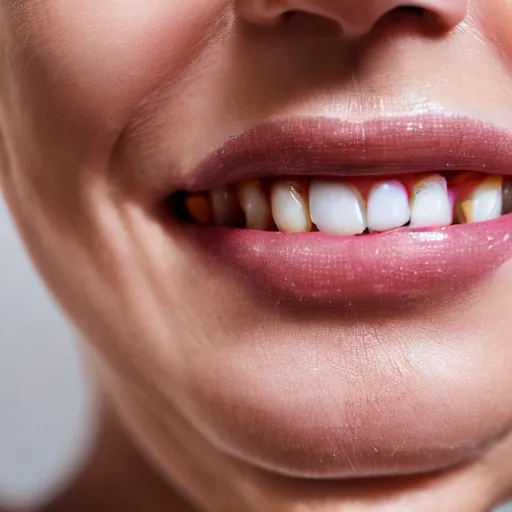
point(331, 147)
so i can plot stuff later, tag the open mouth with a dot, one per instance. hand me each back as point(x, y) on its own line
point(399, 209)
point(357, 206)
point(364, 235)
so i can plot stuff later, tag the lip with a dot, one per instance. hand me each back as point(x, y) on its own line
point(398, 266)
point(330, 147)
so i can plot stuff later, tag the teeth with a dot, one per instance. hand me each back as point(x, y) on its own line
point(289, 207)
point(337, 208)
point(430, 203)
point(225, 205)
point(484, 203)
point(255, 205)
point(199, 207)
point(388, 206)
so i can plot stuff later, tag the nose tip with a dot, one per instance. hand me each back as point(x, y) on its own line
point(355, 17)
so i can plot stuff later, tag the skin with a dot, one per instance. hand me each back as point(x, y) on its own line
point(102, 103)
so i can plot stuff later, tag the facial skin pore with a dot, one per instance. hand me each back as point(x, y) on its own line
point(106, 104)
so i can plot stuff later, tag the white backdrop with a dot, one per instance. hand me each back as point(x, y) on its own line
point(45, 403)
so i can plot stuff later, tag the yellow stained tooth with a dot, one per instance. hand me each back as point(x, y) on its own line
point(199, 208)
point(255, 204)
point(464, 211)
point(483, 203)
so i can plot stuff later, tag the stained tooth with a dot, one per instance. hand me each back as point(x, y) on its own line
point(199, 207)
point(337, 208)
point(255, 205)
point(431, 206)
point(388, 206)
point(507, 197)
point(225, 205)
point(289, 207)
point(484, 203)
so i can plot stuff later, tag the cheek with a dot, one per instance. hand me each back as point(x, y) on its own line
point(95, 61)
point(496, 17)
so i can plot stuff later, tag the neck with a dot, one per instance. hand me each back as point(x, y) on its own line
point(118, 477)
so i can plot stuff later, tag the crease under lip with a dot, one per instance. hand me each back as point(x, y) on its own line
point(331, 147)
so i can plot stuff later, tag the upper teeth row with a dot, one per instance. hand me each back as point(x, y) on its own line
point(339, 208)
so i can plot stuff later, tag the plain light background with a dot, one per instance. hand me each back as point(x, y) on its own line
point(45, 401)
point(46, 423)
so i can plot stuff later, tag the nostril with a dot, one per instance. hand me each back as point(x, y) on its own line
point(432, 20)
point(414, 17)
point(411, 9)
point(407, 11)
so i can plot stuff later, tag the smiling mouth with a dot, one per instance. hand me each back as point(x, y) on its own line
point(321, 210)
point(357, 206)
point(384, 225)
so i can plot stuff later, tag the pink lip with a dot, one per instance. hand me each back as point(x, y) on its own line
point(324, 147)
point(398, 266)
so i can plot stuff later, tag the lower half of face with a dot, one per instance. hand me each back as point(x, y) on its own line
point(300, 246)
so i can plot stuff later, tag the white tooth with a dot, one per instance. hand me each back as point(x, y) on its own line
point(430, 204)
point(255, 205)
point(226, 208)
point(485, 202)
point(337, 208)
point(289, 207)
point(388, 206)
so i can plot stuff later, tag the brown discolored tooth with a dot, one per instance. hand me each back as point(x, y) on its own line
point(199, 207)
point(255, 204)
point(226, 207)
point(507, 196)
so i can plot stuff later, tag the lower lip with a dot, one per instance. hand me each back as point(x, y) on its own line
point(400, 265)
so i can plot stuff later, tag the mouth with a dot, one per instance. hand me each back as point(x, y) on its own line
point(321, 209)
point(350, 238)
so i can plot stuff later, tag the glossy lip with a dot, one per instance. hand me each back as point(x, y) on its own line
point(399, 266)
point(330, 147)
point(395, 267)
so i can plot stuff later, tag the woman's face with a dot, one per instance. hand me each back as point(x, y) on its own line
point(244, 359)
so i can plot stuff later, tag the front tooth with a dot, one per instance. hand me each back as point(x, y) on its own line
point(289, 207)
point(484, 203)
point(337, 208)
point(430, 203)
point(225, 205)
point(255, 205)
point(388, 206)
